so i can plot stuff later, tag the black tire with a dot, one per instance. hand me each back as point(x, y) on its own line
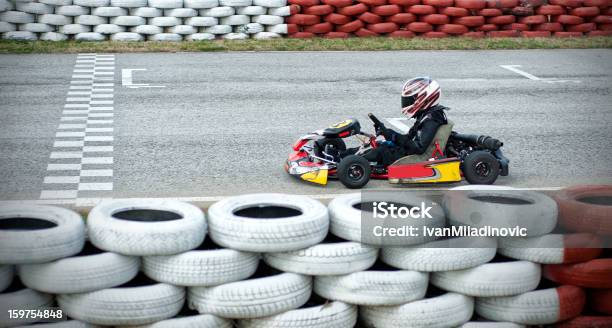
point(337, 143)
point(354, 171)
point(480, 167)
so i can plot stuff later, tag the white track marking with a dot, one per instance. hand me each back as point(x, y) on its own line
point(85, 132)
point(513, 68)
point(126, 79)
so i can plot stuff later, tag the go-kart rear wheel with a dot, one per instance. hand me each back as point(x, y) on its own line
point(480, 167)
point(336, 143)
point(354, 171)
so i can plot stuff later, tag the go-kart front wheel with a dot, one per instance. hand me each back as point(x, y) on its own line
point(480, 167)
point(354, 171)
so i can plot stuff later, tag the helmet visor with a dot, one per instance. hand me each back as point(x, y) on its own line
point(408, 101)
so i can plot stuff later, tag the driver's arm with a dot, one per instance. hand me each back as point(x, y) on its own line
point(418, 143)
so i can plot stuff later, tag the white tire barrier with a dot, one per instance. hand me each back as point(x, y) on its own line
point(36, 27)
point(34, 8)
point(146, 12)
point(280, 29)
point(90, 271)
point(334, 258)
point(109, 11)
point(166, 4)
point(252, 298)
point(552, 248)
point(56, 20)
point(193, 321)
point(373, 287)
point(235, 3)
point(16, 17)
point(55, 232)
point(7, 27)
point(6, 276)
point(74, 29)
point(56, 2)
point(266, 35)
point(167, 37)
point(129, 3)
point(147, 29)
point(128, 20)
point(332, 314)
point(65, 324)
point(5, 5)
point(267, 222)
point(91, 20)
point(146, 227)
point(268, 19)
point(235, 20)
point(535, 212)
point(165, 21)
point(89, 36)
point(280, 11)
point(251, 10)
point(250, 28)
point(447, 310)
point(201, 4)
point(92, 3)
point(22, 299)
point(490, 279)
point(124, 305)
point(109, 29)
point(19, 36)
point(235, 36)
point(181, 12)
point(72, 10)
point(182, 29)
point(127, 36)
point(491, 324)
point(53, 36)
point(217, 12)
point(202, 21)
point(200, 37)
point(270, 3)
point(442, 255)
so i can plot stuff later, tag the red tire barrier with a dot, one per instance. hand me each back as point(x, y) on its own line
point(304, 3)
point(402, 34)
point(549, 27)
point(586, 27)
point(605, 27)
point(405, 2)
point(568, 19)
point(586, 208)
point(383, 27)
point(571, 301)
point(470, 4)
point(301, 19)
point(470, 21)
point(454, 29)
point(501, 20)
point(476, 35)
point(536, 19)
point(402, 18)
point(591, 274)
point(338, 3)
point(515, 27)
point(336, 35)
point(364, 33)
point(535, 34)
point(595, 3)
point(550, 10)
point(386, 10)
point(422, 10)
point(435, 19)
point(420, 27)
point(370, 18)
point(439, 3)
point(601, 300)
point(586, 322)
point(490, 12)
point(600, 33)
point(337, 19)
point(374, 2)
point(435, 35)
point(522, 11)
point(608, 11)
point(487, 28)
point(566, 3)
point(602, 19)
point(503, 34)
point(350, 27)
point(320, 10)
point(320, 28)
point(302, 35)
point(454, 11)
point(353, 10)
point(585, 11)
point(567, 34)
point(502, 3)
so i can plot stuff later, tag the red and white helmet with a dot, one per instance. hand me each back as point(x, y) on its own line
point(418, 94)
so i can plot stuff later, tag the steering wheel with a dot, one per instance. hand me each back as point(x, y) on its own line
point(377, 123)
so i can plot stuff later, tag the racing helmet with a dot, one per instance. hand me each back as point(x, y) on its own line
point(419, 94)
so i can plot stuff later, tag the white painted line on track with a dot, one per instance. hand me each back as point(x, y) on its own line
point(514, 68)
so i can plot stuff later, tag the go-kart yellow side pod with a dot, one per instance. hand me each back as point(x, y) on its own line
point(445, 170)
point(317, 176)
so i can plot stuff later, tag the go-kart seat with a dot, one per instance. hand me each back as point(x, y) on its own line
point(442, 135)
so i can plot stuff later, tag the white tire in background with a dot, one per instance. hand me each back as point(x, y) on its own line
point(91, 20)
point(165, 21)
point(332, 314)
point(146, 12)
point(63, 324)
point(169, 227)
point(251, 10)
point(168, 37)
point(72, 10)
point(109, 11)
point(128, 20)
point(36, 27)
point(34, 8)
point(235, 3)
point(19, 36)
point(252, 298)
point(280, 11)
point(201, 4)
point(7, 273)
point(441, 255)
point(56, 20)
point(491, 324)
point(92, 3)
point(280, 29)
point(56, 2)
point(147, 29)
point(200, 37)
point(16, 17)
point(268, 19)
point(124, 305)
point(535, 212)
point(22, 299)
point(193, 321)
point(266, 36)
point(52, 232)
point(88, 271)
point(373, 287)
point(129, 3)
point(235, 20)
point(335, 258)
point(202, 21)
point(181, 12)
point(267, 222)
point(127, 36)
point(166, 4)
point(552, 248)
point(235, 36)
point(270, 3)
point(52, 36)
point(182, 29)
point(7, 27)
point(447, 310)
point(217, 12)
point(109, 29)
point(250, 28)
point(74, 29)
point(5, 5)
point(490, 279)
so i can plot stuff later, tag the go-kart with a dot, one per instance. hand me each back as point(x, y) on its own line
point(449, 158)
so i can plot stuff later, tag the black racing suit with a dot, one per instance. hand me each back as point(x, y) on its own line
point(415, 141)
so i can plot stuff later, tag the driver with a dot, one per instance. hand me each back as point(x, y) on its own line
point(420, 97)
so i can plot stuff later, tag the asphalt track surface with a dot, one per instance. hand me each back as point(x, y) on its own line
point(223, 123)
